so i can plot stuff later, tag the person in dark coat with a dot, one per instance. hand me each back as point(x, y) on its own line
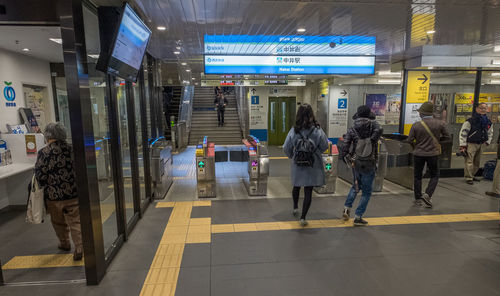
point(54, 172)
point(364, 172)
point(306, 176)
point(220, 105)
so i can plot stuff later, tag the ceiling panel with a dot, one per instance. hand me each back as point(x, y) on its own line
point(456, 22)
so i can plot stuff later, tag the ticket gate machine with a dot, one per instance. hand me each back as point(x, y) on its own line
point(205, 169)
point(330, 160)
point(258, 167)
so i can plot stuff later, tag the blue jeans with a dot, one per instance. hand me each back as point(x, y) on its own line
point(365, 184)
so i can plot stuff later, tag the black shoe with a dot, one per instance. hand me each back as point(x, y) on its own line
point(491, 193)
point(64, 247)
point(419, 202)
point(476, 179)
point(360, 222)
point(78, 255)
point(426, 200)
point(346, 214)
point(470, 182)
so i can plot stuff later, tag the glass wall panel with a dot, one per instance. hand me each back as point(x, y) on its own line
point(62, 103)
point(121, 97)
point(100, 120)
point(138, 131)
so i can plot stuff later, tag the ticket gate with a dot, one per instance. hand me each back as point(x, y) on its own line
point(205, 169)
point(161, 167)
point(345, 171)
point(258, 167)
point(330, 160)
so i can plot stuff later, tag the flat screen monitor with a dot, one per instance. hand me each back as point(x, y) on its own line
point(129, 46)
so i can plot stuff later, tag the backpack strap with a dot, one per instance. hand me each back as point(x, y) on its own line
point(428, 130)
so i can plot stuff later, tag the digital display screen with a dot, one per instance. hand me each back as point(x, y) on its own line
point(130, 45)
point(250, 64)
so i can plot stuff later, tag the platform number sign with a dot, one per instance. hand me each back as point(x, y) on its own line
point(342, 103)
point(255, 100)
point(9, 94)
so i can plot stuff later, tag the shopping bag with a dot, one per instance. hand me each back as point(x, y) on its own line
point(36, 203)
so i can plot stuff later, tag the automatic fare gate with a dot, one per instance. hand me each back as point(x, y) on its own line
point(205, 169)
point(258, 167)
point(330, 159)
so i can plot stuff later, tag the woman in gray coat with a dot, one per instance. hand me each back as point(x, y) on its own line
point(306, 176)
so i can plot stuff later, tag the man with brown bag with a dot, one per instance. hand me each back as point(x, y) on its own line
point(424, 137)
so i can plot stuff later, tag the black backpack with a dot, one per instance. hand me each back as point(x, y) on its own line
point(303, 154)
point(364, 153)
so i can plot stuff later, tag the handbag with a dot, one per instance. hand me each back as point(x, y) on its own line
point(36, 203)
point(436, 142)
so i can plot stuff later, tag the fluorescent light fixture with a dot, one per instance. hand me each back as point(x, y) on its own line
point(495, 81)
point(177, 52)
point(389, 73)
point(56, 40)
point(340, 84)
point(161, 28)
point(184, 64)
point(431, 32)
point(298, 78)
point(430, 68)
point(193, 78)
point(389, 81)
point(494, 74)
point(94, 56)
point(178, 47)
point(26, 49)
point(301, 30)
point(188, 70)
point(495, 62)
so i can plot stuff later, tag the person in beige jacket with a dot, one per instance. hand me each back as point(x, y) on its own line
point(424, 137)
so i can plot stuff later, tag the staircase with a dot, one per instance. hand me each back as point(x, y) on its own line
point(173, 107)
point(204, 119)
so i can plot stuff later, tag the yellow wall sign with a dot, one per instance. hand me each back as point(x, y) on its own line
point(468, 98)
point(417, 86)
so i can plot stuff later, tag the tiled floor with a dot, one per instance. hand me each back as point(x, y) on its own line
point(236, 245)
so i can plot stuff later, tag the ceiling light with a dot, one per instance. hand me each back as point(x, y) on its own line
point(177, 52)
point(340, 84)
point(178, 47)
point(301, 30)
point(495, 62)
point(389, 73)
point(193, 78)
point(26, 49)
point(161, 28)
point(246, 78)
point(389, 81)
point(430, 68)
point(188, 70)
point(94, 56)
point(431, 32)
point(184, 64)
point(56, 40)
point(298, 77)
point(495, 74)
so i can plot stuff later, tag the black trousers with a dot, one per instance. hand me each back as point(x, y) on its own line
point(307, 199)
point(220, 115)
point(418, 168)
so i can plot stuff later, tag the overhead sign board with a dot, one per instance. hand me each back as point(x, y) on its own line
point(246, 64)
point(289, 45)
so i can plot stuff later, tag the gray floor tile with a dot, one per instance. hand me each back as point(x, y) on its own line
point(196, 255)
point(194, 281)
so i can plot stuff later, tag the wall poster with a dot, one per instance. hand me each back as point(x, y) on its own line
point(377, 103)
point(393, 111)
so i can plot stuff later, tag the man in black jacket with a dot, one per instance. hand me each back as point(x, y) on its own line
point(365, 132)
point(476, 132)
point(220, 105)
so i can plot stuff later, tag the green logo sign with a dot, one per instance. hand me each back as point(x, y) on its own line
point(201, 164)
point(328, 166)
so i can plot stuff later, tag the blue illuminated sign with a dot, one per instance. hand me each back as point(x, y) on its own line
point(342, 104)
point(255, 100)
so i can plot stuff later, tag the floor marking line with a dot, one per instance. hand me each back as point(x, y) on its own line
point(42, 261)
point(181, 229)
point(376, 221)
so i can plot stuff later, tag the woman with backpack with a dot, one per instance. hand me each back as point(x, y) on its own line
point(304, 144)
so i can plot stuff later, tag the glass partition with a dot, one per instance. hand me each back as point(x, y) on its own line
point(100, 119)
point(138, 132)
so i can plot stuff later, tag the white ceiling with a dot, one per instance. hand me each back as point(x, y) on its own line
point(35, 38)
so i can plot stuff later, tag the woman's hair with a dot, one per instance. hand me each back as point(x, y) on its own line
point(305, 118)
point(55, 131)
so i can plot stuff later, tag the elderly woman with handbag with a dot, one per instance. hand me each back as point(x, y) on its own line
point(55, 174)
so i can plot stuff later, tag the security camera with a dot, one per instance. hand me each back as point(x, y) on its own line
point(333, 44)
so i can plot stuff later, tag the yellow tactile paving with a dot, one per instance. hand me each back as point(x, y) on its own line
point(165, 204)
point(200, 221)
point(202, 203)
point(42, 261)
point(199, 229)
point(222, 228)
point(198, 238)
point(378, 221)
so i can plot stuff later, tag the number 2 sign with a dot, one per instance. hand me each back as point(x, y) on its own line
point(342, 104)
